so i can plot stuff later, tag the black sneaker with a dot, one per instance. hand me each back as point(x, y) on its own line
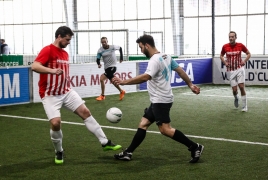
point(59, 157)
point(196, 153)
point(123, 156)
point(111, 146)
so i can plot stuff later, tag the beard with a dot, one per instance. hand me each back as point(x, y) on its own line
point(146, 53)
point(62, 46)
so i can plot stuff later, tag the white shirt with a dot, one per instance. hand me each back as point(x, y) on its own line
point(159, 68)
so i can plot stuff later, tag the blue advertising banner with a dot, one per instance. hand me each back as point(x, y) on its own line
point(14, 86)
point(198, 70)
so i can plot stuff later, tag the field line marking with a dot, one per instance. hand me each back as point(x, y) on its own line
point(130, 129)
point(224, 96)
point(192, 94)
point(206, 90)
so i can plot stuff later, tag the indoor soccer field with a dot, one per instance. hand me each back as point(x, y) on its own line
point(235, 142)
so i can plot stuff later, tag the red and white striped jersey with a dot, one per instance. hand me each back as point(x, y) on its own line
point(51, 84)
point(233, 55)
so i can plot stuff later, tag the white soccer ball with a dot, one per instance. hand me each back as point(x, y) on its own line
point(114, 115)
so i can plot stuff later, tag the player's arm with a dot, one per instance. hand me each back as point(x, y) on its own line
point(121, 54)
point(43, 58)
point(187, 80)
point(98, 60)
point(222, 57)
point(39, 68)
point(247, 58)
point(223, 61)
point(136, 80)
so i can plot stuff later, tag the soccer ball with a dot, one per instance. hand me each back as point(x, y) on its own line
point(114, 115)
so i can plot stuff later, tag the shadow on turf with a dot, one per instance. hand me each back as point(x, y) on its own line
point(20, 170)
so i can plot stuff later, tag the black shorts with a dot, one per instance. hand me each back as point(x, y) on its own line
point(109, 72)
point(158, 112)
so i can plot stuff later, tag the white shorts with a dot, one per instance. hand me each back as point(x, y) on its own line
point(52, 104)
point(237, 77)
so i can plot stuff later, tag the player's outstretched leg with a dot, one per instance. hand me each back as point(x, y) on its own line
point(111, 146)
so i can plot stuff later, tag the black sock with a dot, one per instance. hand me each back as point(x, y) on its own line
point(137, 140)
point(180, 137)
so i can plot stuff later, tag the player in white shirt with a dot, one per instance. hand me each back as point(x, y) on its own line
point(158, 77)
point(107, 52)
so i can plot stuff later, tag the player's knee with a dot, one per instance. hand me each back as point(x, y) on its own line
point(144, 123)
point(163, 131)
point(86, 112)
point(55, 124)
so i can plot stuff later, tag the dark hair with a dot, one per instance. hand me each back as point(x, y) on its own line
point(63, 31)
point(104, 38)
point(146, 39)
point(233, 32)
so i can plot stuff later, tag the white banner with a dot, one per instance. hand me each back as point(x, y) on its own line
point(85, 79)
point(256, 71)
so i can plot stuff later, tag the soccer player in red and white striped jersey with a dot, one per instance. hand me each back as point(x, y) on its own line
point(235, 65)
point(54, 88)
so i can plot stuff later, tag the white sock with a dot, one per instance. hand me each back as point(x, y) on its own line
point(94, 127)
point(244, 100)
point(56, 138)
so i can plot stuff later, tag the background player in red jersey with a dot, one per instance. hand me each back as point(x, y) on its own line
point(235, 65)
point(54, 88)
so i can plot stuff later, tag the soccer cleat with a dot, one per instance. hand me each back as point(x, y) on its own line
point(100, 98)
point(111, 146)
point(244, 109)
point(59, 157)
point(123, 156)
point(122, 94)
point(196, 153)
point(236, 103)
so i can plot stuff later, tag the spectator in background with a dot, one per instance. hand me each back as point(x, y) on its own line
point(4, 47)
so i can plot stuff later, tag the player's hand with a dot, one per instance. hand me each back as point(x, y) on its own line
point(121, 60)
point(116, 81)
point(57, 71)
point(99, 66)
point(195, 89)
point(243, 63)
point(226, 64)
